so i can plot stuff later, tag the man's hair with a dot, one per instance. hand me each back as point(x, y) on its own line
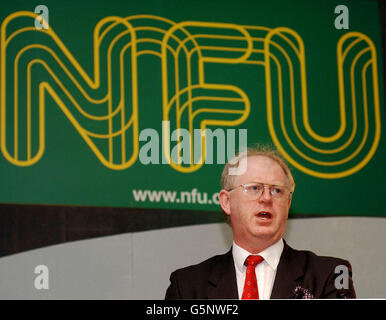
point(228, 180)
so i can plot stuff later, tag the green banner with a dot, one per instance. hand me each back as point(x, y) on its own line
point(140, 103)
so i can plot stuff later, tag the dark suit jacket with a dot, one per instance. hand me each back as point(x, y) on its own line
point(215, 278)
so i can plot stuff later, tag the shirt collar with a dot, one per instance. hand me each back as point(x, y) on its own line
point(271, 254)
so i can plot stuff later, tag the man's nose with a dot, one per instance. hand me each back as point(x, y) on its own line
point(266, 195)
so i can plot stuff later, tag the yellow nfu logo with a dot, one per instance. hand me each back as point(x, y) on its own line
point(104, 108)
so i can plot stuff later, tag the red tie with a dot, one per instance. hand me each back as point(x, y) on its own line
point(250, 286)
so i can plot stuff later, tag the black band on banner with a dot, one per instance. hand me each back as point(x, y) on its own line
point(198, 309)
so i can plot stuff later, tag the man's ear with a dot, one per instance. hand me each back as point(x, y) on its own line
point(289, 204)
point(224, 199)
point(289, 201)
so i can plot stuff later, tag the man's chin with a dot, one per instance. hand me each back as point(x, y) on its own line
point(267, 234)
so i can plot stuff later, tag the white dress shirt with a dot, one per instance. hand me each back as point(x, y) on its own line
point(265, 271)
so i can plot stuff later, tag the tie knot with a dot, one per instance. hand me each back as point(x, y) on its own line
point(253, 260)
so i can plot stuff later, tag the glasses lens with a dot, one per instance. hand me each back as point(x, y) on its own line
point(277, 192)
point(254, 189)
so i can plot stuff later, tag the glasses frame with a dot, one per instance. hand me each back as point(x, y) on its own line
point(265, 186)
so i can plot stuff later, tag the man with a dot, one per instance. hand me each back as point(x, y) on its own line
point(256, 196)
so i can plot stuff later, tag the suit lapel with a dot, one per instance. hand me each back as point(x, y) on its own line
point(222, 282)
point(289, 271)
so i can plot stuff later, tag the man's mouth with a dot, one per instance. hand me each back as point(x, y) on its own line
point(264, 215)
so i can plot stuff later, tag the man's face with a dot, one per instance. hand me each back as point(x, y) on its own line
point(257, 222)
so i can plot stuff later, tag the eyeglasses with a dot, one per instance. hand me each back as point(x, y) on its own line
point(255, 189)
